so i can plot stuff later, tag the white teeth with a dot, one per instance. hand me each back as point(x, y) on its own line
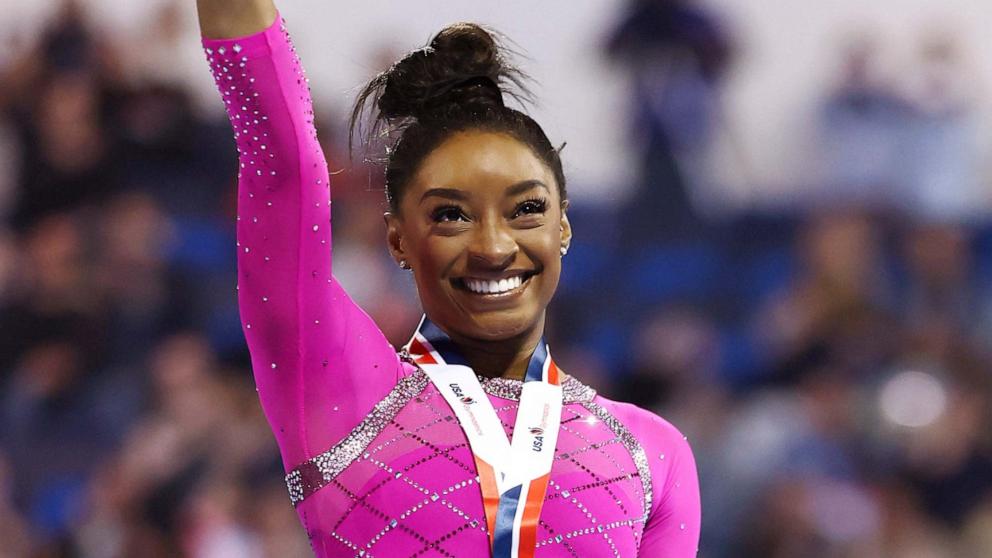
point(493, 287)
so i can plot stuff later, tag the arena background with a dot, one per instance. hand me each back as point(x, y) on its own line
point(783, 217)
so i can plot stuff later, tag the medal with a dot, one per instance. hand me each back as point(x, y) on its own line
point(513, 475)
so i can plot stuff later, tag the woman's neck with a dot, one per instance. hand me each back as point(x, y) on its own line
point(506, 358)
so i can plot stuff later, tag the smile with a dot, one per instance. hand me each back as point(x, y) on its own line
point(494, 287)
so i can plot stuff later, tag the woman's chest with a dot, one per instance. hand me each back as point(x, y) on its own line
point(413, 488)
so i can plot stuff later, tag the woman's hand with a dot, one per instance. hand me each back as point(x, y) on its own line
point(225, 19)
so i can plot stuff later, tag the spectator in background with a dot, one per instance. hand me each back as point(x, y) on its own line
point(940, 294)
point(144, 298)
point(177, 485)
point(906, 142)
point(861, 431)
point(54, 293)
point(676, 54)
point(68, 160)
point(978, 532)
point(865, 129)
point(944, 156)
point(837, 311)
point(57, 106)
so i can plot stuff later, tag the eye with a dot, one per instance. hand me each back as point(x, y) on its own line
point(447, 214)
point(534, 206)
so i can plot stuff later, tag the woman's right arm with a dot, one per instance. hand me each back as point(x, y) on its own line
point(320, 363)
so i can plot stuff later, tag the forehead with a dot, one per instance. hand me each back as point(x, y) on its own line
point(486, 162)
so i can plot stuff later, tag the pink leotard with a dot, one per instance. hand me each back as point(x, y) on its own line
point(377, 463)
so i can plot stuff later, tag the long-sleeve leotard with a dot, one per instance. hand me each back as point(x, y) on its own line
point(623, 482)
point(320, 363)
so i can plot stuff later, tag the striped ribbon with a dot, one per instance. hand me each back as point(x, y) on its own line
point(513, 475)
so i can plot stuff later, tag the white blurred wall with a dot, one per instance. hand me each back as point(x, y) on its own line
point(788, 60)
point(580, 99)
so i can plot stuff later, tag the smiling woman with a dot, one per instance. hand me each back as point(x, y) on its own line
point(470, 441)
point(484, 235)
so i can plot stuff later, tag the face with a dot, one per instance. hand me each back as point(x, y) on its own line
point(481, 224)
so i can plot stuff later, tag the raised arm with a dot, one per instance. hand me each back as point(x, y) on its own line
point(319, 361)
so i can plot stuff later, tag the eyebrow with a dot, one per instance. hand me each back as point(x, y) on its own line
point(522, 187)
point(450, 193)
point(456, 194)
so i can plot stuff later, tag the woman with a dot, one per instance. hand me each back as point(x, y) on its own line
point(470, 441)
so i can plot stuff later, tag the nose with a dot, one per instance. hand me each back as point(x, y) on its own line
point(493, 246)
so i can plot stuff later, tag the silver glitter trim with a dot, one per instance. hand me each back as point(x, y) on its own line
point(573, 391)
point(633, 446)
point(320, 470)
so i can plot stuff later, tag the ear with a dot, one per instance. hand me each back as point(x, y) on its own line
point(394, 237)
point(565, 226)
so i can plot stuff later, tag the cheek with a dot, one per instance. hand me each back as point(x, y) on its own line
point(545, 249)
point(438, 253)
point(545, 244)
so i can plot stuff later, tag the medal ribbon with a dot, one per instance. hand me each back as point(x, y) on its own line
point(513, 474)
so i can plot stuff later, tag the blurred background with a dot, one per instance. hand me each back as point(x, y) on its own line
point(783, 245)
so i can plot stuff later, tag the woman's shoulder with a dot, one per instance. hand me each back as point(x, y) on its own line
point(645, 425)
point(666, 453)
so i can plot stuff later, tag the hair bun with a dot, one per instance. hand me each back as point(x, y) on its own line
point(462, 66)
point(455, 83)
point(461, 72)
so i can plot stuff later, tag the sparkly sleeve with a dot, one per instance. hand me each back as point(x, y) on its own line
point(672, 530)
point(320, 363)
point(673, 527)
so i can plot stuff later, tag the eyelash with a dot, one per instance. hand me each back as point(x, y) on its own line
point(439, 214)
point(541, 203)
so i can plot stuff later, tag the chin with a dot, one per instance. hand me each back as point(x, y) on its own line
point(498, 326)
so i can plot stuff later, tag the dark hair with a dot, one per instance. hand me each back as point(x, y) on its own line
point(454, 84)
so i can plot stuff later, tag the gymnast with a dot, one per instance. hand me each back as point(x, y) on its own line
point(469, 441)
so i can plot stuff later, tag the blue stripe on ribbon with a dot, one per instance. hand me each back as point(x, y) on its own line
point(535, 368)
point(505, 513)
point(449, 352)
point(441, 343)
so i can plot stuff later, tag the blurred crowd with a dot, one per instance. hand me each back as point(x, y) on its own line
point(829, 361)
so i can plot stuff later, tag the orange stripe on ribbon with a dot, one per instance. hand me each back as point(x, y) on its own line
point(532, 512)
point(490, 495)
point(420, 353)
point(552, 372)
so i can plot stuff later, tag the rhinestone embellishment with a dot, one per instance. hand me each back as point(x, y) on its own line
point(319, 470)
point(637, 452)
point(573, 391)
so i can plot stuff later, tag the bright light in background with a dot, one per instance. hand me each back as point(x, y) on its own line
point(913, 399)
